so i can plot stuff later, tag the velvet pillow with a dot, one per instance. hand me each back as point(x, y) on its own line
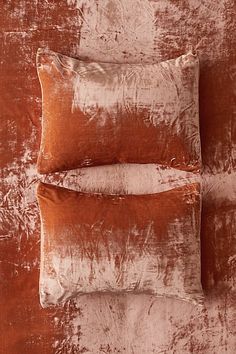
point(131, 243)
point(103, 113)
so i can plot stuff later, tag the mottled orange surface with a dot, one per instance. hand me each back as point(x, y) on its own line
point(106, 113)
point(119, 244)
point(116, 31)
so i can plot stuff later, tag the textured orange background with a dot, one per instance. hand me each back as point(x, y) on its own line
point(117, 31)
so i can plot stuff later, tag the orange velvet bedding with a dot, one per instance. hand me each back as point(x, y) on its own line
point(96, 113)
point(132, 31)
point(97, 243)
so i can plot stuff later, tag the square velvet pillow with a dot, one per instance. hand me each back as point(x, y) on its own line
point(131, 243)
point(104, 113)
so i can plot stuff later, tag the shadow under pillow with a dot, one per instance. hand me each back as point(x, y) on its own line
point(131, 243)
point(106, 113)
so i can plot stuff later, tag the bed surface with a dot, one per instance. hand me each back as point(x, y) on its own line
point(116, 31)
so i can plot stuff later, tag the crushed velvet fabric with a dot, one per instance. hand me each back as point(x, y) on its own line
point(104, 113)
point(110, 243)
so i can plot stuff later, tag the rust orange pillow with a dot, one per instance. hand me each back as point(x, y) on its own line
point(103, 113)
point(131, 243)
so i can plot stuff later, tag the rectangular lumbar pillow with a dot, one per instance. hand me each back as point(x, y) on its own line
point(104, 113)
point(132, 243)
